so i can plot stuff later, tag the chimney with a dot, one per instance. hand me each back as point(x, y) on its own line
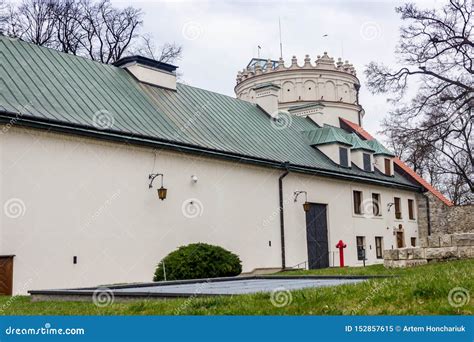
point(149, 71)
point(266, 97)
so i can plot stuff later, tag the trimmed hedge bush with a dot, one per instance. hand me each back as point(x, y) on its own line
point(198, 260)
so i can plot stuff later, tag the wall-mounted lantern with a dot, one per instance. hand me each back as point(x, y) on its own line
point(162, 191)
point(306, 204)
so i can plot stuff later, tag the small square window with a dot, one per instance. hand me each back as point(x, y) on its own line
point(388, 167)
point(379, 247)
point(413, 241)
point(343, 157)
point(357, 196)
point(367, 163)
point(376, 205)
point(360, 247)
point(398, 209)
point(411, 209)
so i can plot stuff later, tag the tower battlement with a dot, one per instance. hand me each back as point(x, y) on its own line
point(324, 62)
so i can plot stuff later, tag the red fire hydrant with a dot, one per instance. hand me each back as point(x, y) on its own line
point(341, 245)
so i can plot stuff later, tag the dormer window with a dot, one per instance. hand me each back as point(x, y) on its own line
point(343, 157)
point(361, 153)
point(333, 142)
point(388, 166)
point(367, 162)
point(383, 158)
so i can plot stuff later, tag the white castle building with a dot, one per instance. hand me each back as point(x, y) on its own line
point(84, 147)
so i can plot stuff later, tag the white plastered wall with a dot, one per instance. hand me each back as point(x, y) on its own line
point(343, 224)
point(88, 198)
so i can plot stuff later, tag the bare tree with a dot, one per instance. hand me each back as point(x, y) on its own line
point(94, 29)
point(108, 31)
point(167, 53)
point(433, 129)
point(4, 16)
point(34, 21)
point(68, 17)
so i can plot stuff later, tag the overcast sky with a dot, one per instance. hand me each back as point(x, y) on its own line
point(220, 37)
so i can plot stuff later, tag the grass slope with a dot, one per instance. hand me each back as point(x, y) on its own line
point(421, 290)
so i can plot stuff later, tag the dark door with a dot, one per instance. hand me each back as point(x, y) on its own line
point(6, 275)
point(317, 236)
point(400, 240)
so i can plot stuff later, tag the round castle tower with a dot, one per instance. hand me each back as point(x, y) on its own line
point(299, 88)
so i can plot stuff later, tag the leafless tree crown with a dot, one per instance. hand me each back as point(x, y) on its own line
point(94, 29)
point(432, 130)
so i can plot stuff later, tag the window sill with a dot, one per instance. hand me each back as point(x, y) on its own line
point(367, 216)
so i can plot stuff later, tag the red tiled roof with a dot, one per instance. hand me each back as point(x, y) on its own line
point(366, 135)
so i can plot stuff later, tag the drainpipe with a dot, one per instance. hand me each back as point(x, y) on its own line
point(282, 222)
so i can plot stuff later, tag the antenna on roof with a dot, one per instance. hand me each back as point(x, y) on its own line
point(281, 45)
point(258, 51)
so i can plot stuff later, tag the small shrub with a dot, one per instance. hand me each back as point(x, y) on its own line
point(198, 260)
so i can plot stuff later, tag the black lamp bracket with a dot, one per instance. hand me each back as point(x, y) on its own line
point(297, 193)
point(152, 177)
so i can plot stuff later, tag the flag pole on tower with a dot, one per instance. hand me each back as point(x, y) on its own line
point(281, 45)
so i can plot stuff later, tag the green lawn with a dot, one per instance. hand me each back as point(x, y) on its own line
point(421, 290)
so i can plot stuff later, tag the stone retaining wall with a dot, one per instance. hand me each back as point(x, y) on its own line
point(432, 248)
point(436, 218)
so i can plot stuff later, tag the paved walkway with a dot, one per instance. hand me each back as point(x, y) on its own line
point(240, 286)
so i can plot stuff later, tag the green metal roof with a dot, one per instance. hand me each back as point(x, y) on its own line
point(379, 148)
point(359, 144)
point(327, 135)
point(45, 88)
